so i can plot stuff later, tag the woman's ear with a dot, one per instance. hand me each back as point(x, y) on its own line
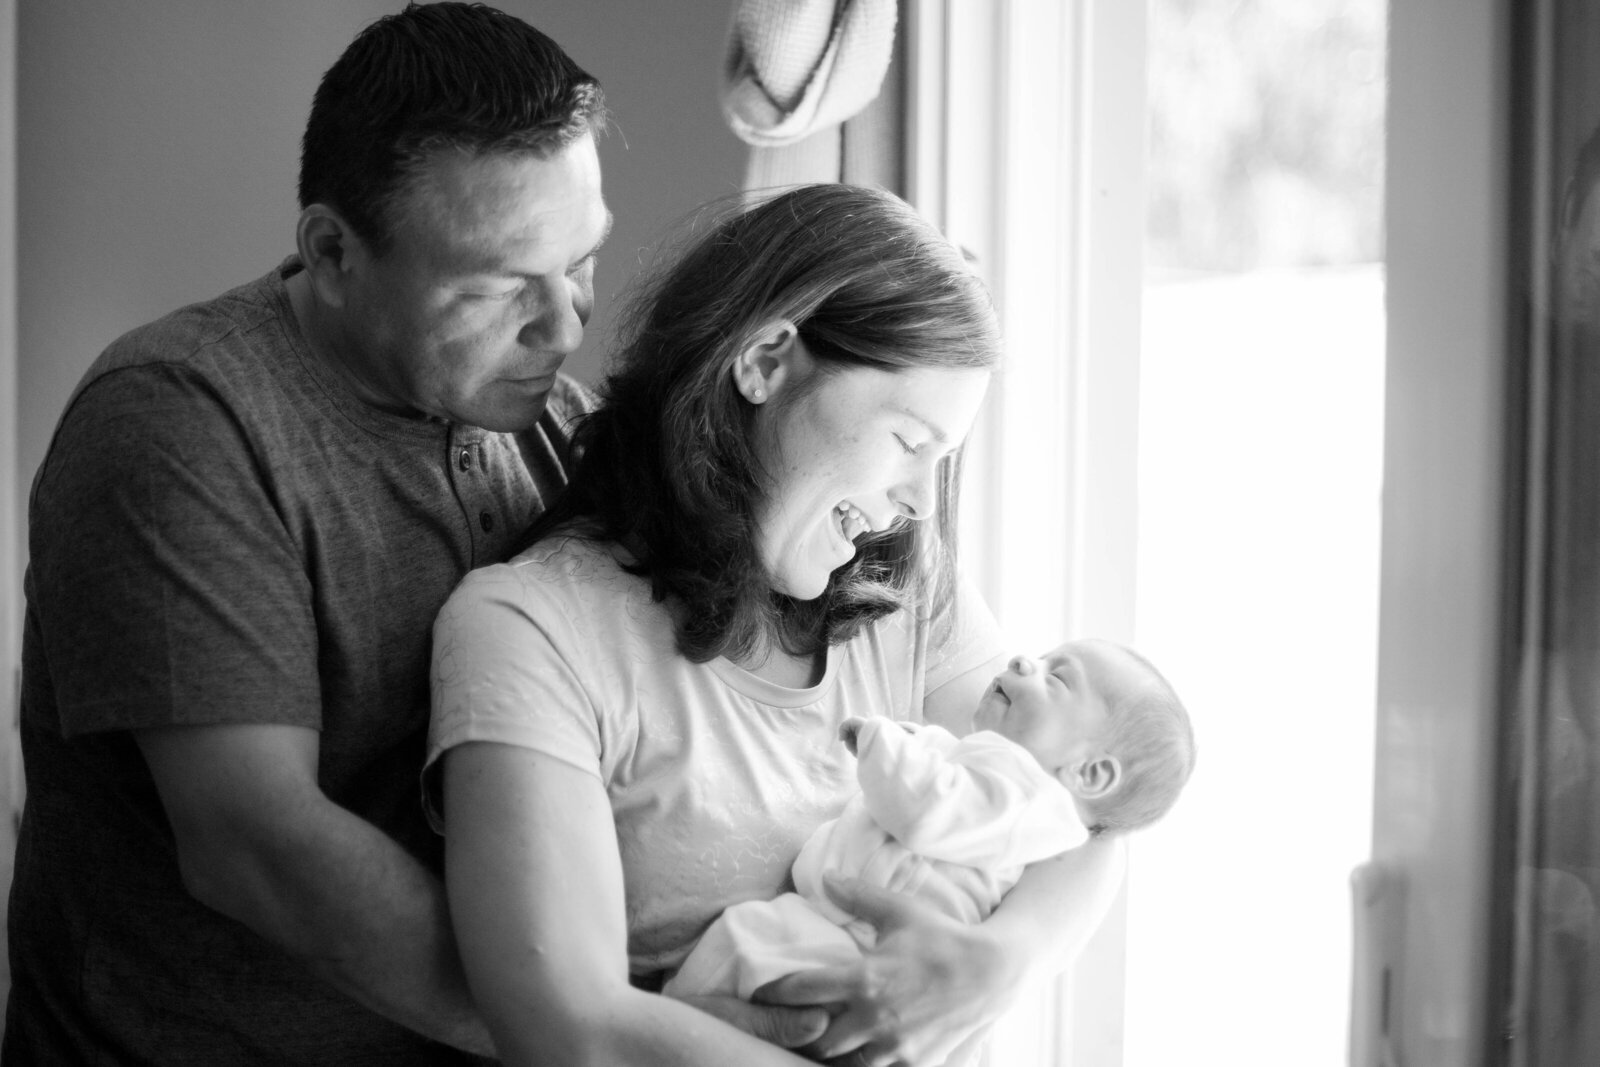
point(1093, 777)
point(776, 357)
point(329, 250)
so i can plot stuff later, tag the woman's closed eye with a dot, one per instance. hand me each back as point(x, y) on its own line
point(909, 448)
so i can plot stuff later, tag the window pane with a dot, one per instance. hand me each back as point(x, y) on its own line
point(1260, 463)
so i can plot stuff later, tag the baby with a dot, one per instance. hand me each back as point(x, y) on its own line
point(1088, 739)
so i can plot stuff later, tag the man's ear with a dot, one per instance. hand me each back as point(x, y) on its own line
point(1092, 777)
point(776, 357)
point(330, 251)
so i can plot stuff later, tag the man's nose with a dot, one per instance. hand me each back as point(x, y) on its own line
point(555, 322)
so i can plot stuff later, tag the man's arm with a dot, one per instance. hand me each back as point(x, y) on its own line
point(260, 842)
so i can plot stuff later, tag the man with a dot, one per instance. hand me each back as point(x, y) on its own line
point(250, 512)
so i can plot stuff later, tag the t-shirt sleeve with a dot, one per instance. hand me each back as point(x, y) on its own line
point(167, 588)
point(500, 674)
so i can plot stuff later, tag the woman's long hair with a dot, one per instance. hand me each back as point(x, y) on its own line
point(668, 465)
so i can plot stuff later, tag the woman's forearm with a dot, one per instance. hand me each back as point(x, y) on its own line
point(536, 898)
point(1053, 911)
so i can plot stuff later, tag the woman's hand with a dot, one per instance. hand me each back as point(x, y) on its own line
point(929, 984)
point(932, 981)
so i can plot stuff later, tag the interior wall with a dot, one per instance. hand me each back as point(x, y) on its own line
point(157, 146)
point(10, 615)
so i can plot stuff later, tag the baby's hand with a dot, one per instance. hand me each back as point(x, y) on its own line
point(849, 730)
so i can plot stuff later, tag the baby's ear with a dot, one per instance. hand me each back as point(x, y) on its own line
point(1093, 777)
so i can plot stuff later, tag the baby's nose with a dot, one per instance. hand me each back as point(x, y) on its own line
point(1021, 665)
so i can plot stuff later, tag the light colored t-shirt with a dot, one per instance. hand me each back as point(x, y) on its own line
point(716, 777)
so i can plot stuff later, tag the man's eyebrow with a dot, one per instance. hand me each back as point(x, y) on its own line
point(497, 270)
point(605, 235)
point(938, 434)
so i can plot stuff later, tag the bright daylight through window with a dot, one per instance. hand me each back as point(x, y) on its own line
point(1260, 460)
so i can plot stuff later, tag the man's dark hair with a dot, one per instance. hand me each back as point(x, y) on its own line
point(431, 78)
point(669, 467)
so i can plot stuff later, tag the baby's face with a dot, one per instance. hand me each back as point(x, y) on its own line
point(1054, 706)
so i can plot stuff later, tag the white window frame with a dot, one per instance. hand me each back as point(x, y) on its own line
point(1013, 100)
point(1422, 977)
point(1022, 148)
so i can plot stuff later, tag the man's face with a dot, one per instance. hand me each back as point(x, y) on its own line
point(485, 289)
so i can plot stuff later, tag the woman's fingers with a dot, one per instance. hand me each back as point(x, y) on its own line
point(913, 997)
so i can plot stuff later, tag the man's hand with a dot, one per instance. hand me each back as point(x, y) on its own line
point(929, 984)
point(781, 1026)
point(259, 842)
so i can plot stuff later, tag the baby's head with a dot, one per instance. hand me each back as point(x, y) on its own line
point(1104, 721)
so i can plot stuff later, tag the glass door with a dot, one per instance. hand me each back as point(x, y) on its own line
point(1555, 732)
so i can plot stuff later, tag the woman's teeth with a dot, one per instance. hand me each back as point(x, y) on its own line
point(852, 523)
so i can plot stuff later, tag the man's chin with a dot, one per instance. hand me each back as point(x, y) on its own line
point(514, 416)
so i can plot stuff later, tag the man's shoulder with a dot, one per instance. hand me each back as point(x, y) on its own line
point(209, 336)
point(232, 358)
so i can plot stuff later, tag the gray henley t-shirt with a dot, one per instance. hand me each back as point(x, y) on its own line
point(222, 533)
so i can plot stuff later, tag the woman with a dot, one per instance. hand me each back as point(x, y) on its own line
point(636, 719)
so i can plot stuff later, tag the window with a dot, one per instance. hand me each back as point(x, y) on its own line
point(1178, 206)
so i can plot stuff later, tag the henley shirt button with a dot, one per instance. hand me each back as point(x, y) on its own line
point(486, 520)
point(464, 461)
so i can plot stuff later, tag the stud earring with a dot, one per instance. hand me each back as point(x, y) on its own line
point(758, 394)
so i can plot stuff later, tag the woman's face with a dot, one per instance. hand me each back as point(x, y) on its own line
point(850, 456)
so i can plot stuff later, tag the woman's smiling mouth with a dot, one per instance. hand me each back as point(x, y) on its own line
point(852, 523)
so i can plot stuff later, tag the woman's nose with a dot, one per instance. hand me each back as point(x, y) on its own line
point(1021, 665)
point(917, 498)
